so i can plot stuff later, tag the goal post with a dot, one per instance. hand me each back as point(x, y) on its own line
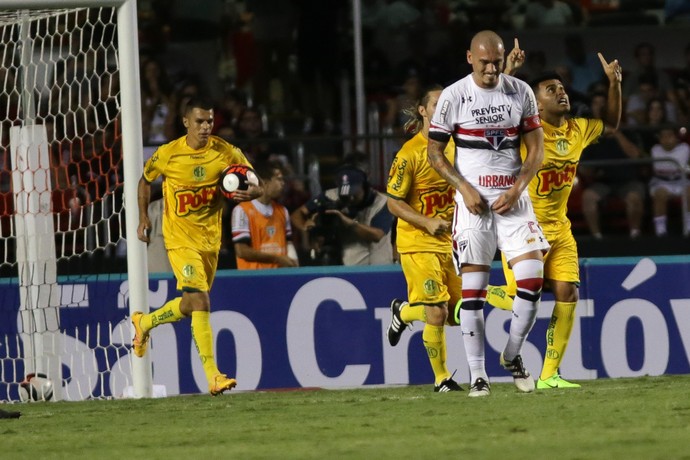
point(70, 125)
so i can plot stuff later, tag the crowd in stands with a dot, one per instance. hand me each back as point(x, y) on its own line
point(278, 92)
point(272, 91)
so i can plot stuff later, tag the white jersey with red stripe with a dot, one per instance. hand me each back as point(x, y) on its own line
point(486, 125)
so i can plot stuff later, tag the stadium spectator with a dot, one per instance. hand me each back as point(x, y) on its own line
point(261, 229)
point(349, 224)
point(540, 14)
point(667, 180)
point(636, 105)
point(584, 67)
point(233, 104)
point(255, 141)
point(655, 117)
point(646, 71)
point(191, 167)
point(681, 86)
point(618, 179)
point(155, 102)
point(493, 210)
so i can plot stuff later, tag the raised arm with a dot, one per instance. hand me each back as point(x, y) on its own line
point(515, 59)
point(614, 107)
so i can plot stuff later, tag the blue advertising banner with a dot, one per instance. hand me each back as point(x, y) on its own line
point(325, 327)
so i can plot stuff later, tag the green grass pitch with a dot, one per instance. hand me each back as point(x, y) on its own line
point(640, 418)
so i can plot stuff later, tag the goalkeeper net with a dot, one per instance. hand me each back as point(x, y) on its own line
point(62, 214)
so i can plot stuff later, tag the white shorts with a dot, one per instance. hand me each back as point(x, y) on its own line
point(673, 187)
point(476, 237)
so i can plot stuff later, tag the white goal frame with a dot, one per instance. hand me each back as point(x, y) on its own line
point(132, 153)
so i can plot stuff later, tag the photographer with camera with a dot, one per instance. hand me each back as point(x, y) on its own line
point(346, 225)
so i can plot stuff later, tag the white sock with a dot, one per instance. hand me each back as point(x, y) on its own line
point(660, 225)
point(472, 327)
point(524, 310)
point(472, 322)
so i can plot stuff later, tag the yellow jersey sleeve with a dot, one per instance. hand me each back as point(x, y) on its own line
point(413, 180)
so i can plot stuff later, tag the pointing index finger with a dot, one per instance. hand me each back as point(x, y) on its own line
point(516, 43)
point(601, 58)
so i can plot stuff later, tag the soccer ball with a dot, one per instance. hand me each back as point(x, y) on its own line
point(236, 177)
point(36, 387)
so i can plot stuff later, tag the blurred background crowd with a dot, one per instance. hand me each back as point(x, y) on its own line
point(282, 75)
point(283, 72)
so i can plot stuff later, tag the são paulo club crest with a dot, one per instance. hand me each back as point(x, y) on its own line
point(494, 136)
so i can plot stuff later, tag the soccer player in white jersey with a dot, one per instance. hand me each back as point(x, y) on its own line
point(487, 113)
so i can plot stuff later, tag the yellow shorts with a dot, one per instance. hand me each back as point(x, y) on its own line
point(193, 270)
point(431, 278)
point(560, 263)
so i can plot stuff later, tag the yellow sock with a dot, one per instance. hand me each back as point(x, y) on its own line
point(168, 313)
point(409, 313)
point(497, 297)
point(557, 336)
point(203, 338)
point(434, 338)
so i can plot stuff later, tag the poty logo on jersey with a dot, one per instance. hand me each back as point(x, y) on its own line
point(555, 178)
point(187, 201)
point(436, 203)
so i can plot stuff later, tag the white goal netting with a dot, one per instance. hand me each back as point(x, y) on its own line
point(61, 203)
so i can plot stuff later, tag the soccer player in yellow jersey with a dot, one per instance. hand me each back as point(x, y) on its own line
point(564, 140)
point(423, 203)
point(191, 167)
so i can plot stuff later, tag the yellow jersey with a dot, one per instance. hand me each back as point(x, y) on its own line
point(563, 146)
point(192, 203)
point(412, 179)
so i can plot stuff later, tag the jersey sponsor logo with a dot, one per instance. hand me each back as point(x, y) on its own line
point(435, 202)
point(496, 181)
point(199, 173)
point(187, 201)
point(398, 174)
point(555, 178)
point(151, 163)
point(491, 114)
